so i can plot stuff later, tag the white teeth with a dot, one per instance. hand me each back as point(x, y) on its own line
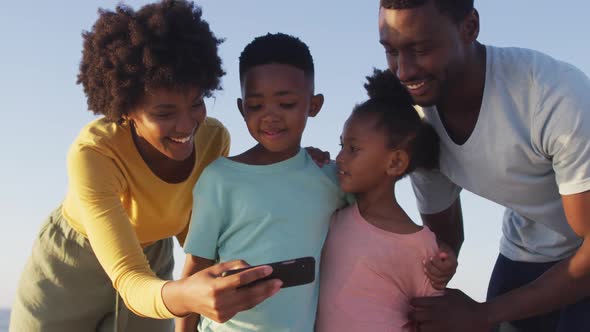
point(415, 86)
point(181, 139)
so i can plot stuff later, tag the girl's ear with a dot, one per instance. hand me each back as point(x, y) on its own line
point(317, 101)
point(399, 160)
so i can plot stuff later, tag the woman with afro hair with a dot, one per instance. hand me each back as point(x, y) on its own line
point(131, 174)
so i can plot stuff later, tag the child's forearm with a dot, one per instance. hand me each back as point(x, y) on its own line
point(187, 324)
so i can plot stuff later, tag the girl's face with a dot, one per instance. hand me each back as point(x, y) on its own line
point(165, 123)
point(364, 161)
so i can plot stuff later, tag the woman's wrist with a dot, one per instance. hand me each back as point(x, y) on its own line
point(174, 298)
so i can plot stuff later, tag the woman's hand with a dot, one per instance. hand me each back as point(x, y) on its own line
point(320, 157)
point(219, 299)
point(441, 267)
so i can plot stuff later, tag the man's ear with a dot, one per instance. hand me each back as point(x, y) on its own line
point(399, 161)
point(240, 108)
point(470, 27)
point(317, 101)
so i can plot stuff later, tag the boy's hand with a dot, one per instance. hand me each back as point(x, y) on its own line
point(441, 267)
point(320, 157)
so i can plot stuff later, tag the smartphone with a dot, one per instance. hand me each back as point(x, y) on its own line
point(293, 272)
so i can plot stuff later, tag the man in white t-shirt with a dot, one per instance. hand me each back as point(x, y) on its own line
point(515, 129)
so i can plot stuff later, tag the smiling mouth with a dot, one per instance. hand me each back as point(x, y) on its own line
point(273, 133)
point(181, 140)
point(415, 86)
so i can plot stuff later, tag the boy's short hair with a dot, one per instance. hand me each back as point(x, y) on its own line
point(276, 48)
point(456, 9)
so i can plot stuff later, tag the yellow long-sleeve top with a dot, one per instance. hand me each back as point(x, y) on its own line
point(121, 206)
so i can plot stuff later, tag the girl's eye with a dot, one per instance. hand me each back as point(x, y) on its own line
point(420, 51)
point(352, 148)
point(198, 105)
point(391, 52)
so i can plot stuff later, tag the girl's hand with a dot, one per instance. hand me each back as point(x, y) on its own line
point(320, 157)
point(219, 298)
point(441, 267)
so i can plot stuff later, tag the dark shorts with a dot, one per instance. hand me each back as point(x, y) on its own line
point(508, 275)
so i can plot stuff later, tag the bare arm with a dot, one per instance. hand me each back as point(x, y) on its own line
point(192, 265)
point(565, 283)
point(447, 225)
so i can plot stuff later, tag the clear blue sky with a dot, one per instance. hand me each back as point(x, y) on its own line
point(42, 109)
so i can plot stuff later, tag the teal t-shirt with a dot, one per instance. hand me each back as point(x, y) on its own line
point(263, 214)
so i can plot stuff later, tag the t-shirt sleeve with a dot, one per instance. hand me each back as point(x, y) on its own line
point(98, 183)
point(207, 218)
point(434, 191)
point(562, 127)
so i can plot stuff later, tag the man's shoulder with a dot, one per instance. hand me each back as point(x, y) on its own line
point(526, 64)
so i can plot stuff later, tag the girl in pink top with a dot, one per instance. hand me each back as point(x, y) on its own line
point(372, 260)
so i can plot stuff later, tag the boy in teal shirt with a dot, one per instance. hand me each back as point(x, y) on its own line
point(272, 202)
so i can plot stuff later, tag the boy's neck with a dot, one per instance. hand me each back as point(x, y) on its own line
point(380, 208)
point(259, 155)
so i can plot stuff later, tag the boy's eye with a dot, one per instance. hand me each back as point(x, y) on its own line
point(254, 107)
point(288, 105)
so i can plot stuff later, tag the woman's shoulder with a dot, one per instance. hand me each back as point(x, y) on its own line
point(103, 139)
point(101, 132)
point(212, 126)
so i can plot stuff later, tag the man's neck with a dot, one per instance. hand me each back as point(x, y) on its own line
point(460, 106)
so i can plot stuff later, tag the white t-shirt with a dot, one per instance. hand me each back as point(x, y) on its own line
point(530, 145)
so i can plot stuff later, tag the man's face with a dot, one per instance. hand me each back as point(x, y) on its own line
point(424, 49)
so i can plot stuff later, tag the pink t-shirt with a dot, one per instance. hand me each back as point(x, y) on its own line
point(368, 275)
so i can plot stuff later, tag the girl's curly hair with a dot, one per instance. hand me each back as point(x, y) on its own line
point(393, 106)
point(163, 45)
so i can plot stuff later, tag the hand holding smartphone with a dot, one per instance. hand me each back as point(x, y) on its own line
point(292, 272)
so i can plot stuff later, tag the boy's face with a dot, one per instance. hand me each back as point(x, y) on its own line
point(277, 99)
point(425, 49)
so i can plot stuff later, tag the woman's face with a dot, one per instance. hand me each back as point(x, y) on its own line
point(165, 122)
